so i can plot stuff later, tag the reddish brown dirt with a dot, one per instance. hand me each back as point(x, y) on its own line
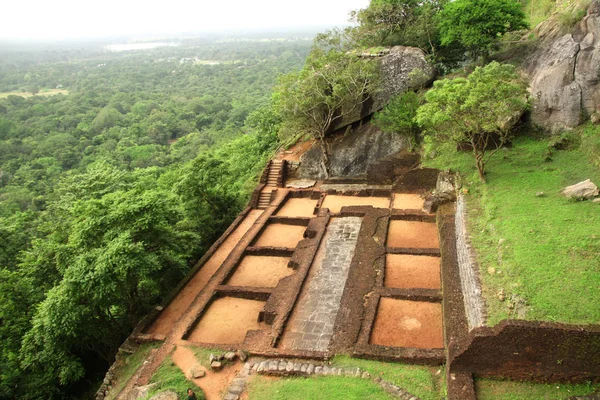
point(214, 383)
point(164, 323)
point(297, 207)
point(295, 152)
point(402, 323)
point(227, 321)
point(412, 234)
point(336, 202)
point(281, 235)
point(406, 271)
point(261, 271)
point(407, 201)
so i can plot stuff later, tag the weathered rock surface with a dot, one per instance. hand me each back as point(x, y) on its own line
point(564, 74)
point(141, 392)
point(583, 190)
point(351, 155)
point(444, 192)
point(196, 371)
point(168, 395)
point(402, 69)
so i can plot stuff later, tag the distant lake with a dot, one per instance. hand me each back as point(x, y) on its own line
point(138, 46)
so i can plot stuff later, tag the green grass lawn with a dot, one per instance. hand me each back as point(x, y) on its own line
point(544, 251)
point(489, 389)
point(424, 382)
point(317, 388)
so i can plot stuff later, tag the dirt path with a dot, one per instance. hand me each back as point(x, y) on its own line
point(214, 383)
point(163, 325)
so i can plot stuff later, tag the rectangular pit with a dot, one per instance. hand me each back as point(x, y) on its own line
point(412, 234)
point(405, 271)
point(297, 207)
point(165, 321)
point(227, 320)
point(260, 271)
point(280, 235)
point(407, 201)
point(335, 202)
point(403, 323)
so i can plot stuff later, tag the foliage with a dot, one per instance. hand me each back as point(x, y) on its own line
point(478, 24)
point(544, 249)
point(398, 116)
point(330, 387)
point(479, 110)
point(398, 22)
point(111, 191)
point(331, 85)
point(423, 382)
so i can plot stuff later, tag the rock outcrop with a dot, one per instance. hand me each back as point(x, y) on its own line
point(351, 155)
point(402, 69)
point(564, 74)
point(585, 190)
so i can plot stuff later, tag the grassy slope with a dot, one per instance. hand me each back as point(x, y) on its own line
point(424, 382)
point(329, 387)
point(128, 367)
point(488, 389)
point(169, 377)
point(548, 255)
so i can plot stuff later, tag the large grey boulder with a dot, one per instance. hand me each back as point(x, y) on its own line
point(402, 69)
point(352, 155)
point(564, 74)
point(581, 191)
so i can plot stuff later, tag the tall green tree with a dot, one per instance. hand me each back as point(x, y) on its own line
point(477, 25)
point(479, 110)
point(331, 85)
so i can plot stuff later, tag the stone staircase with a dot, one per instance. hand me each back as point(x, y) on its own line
point(274, 180)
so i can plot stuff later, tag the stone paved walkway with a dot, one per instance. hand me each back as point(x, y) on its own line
point(311, 326)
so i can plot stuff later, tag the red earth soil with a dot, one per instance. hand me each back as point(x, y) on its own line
point(403, 323)
point(295, 152)
point(407, 201)
point(336, 202)
point(406, 271)
point(214, 383)
point(412, 234)
point(164, 323)
point(281, 235)
point(261, 271)
point(297, 207)
point(228, 320)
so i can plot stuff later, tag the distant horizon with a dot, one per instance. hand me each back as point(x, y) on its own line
point(68, 20)
point(174, 36)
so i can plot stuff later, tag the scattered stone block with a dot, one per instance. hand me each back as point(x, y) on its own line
point(168, 395)
point(197, 371)
point(216, 365)
point(242, 355)
point(229, 356)
point(584, 190)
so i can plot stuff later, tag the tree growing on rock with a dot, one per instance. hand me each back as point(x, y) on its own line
point(479, 110)
point(332, 84)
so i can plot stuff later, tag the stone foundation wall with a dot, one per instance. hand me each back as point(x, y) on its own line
point(469, 270)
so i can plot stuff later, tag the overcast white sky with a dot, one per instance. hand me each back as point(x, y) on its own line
point(101, 18)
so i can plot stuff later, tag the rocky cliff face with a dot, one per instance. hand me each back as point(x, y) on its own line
point(564, 74)
point(402, 69)
point(351, 155)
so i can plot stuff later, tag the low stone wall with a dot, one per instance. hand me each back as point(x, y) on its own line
point(305, 369)
point(469, 270)
point(530, 351)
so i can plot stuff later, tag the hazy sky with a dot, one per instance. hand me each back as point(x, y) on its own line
point(95, 18)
